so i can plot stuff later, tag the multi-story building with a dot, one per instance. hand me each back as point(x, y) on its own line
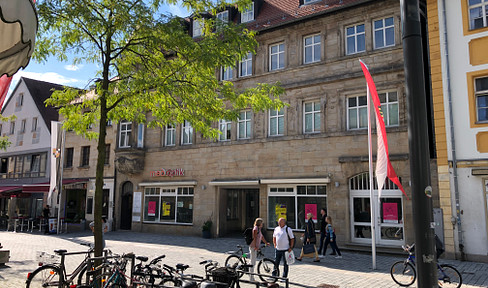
point(309, 155)
point(25, 169)
point(458, 37)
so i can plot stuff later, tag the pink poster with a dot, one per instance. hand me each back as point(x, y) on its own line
point(151, 208)
point(311, 208)
point(390, 213)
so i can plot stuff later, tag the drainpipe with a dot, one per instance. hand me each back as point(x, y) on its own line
point(445, 57)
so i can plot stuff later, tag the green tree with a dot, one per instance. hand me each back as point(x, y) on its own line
point(152, 70)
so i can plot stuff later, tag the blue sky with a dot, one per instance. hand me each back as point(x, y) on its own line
point(67, 74)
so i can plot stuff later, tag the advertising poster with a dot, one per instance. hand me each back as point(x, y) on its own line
point(280, 210)
point(311, 208)
point(53, 225)
point(390, 213)
point(151, 208)
point(136, 203)
point(166, 208)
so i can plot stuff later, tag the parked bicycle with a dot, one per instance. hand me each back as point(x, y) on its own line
point(265, 266)
point(111, 273)
point(148, 275)
point(404, 273)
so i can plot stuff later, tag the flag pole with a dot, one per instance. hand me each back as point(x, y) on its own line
point(371, 182)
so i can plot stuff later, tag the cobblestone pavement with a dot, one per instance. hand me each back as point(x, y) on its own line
point(353, 270)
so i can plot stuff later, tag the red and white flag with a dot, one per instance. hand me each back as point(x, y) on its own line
point(383, 164)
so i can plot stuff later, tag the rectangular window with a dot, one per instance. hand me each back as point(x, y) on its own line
point(170, 135)
point(311, 49)
point(389, 107)
point(125, 134)
point(68, 160)
point(244, 125)
point(248, 14)
point(276, 122)
point(21, 99)
point(294, 202)
point(355, 39)
point(140, 135)
point(168, 205)
point(384, 33)
point(89, 205)
point(1, 126)
point(225, 130)
point(186, 133)
point(357, 113)
point(22, 126)
point(35, 165)
point(245, 66)
point(12, 128)
point(311, 117)
point(478, 14)
point(481, 94)
point(277, 57)
point(109, 123)
point(222, 19)
point(226, 73)
point(85, 156)
point(107, 154)
point(197, 28)
point(34, 124)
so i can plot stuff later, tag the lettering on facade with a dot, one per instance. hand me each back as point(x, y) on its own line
point(168, 173)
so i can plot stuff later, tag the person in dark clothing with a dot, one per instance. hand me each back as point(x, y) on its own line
point(323, 224)
point(45, 214)
point(309, 238)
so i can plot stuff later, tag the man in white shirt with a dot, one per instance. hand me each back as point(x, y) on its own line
point(283, 240)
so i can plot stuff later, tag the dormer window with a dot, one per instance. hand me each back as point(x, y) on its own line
point(248, 14)
point(309, 1)
point(197, 28)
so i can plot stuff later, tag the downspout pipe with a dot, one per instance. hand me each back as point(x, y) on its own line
point(445, 56)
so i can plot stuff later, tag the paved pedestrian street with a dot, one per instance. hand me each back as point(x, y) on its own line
point(353, 270)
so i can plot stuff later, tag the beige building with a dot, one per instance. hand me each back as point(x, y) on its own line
point(310, 155)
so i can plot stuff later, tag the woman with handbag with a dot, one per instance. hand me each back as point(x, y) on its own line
point(309, 240)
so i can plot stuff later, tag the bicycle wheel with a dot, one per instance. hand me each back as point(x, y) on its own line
point(237, 263)
point(403, 273)
point(266, 268)
point(449, 276)
point(45, 276)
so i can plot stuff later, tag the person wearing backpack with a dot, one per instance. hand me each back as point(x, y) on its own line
point(284, 241)
point(254, 246)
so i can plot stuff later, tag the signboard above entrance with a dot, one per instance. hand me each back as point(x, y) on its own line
point(167, 172)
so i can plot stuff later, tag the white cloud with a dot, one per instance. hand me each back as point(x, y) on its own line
point(51, 77)
point(177, 10)
point(73, 67)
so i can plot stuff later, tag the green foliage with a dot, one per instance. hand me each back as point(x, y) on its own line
point(4, 140)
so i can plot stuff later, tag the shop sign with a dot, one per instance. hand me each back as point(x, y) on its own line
point(280, 210)
point(167, 172)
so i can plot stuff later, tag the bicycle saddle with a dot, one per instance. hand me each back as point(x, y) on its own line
point(182, 267)
point(189, 284)
point(142, 258)
point(60, 251)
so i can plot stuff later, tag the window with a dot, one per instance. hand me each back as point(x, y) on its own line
point(22, 126)
point(125, 134)
point(170, 135)
point(107, 154)
point(85, 156)
point(276, 122)
point(294, 202)
point(140, 135)
point(12, 127)
point(226, 73)
point(311, 117)
point(1, 126)
point(68, 162)
point(248, 14)
point(277, 56)
point(35, 165)
point(309, 1)
point(311, 49)
point(478, 14)
point(355, 39)
point(21, 99)
point(357, 113)
point(222, 19)
point(168, 205)
point(245, 66)
point(109, 123)
point(384, 33)
point(389, 107)
point(186, 133)
point(244, 125)
point(197, 28)
point(481, 94)
point(34, 124)
point(225, 129)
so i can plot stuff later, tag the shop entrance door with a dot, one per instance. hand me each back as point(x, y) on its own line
point(126, 206)
point(242, 208)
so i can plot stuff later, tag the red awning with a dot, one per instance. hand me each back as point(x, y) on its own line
point(7, 191)
point(44, 187)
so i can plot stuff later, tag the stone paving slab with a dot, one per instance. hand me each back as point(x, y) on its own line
point(353, 270)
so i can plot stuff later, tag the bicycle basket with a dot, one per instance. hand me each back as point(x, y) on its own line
point(224, 276)
point(45, 258)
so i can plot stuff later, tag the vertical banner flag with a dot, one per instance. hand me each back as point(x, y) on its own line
point(383, 165)
point(4, 85)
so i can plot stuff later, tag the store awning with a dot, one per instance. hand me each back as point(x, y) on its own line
point(7, 191)
point(234, 182)
point(44, 187)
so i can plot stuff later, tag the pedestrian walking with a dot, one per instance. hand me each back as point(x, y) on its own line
point(330, 237)
point(309, 239)
point(323, 224)
point(257, 238)
point(283, 240)
point(45, 214)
